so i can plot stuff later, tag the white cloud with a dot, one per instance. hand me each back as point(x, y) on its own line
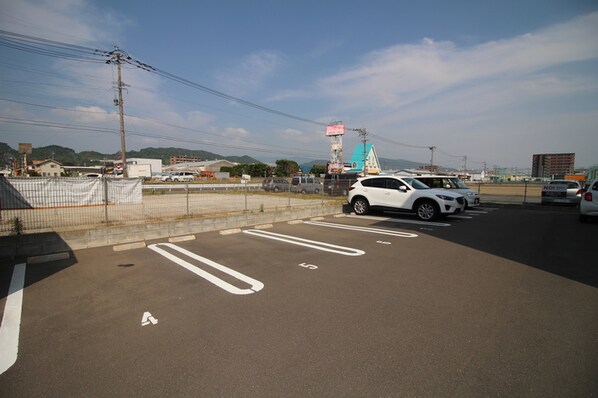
point(73, 21)
point(504, 99)
point(404, 74)
point(250, 73)
point(235, 132)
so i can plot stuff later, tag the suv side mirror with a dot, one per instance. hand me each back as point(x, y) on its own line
point(403, 188)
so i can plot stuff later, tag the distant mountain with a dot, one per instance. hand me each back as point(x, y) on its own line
point(69, 157)
point(306, 167)
point(7, 154)
point(398, 164)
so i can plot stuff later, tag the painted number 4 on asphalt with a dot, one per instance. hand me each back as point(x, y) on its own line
point(147, 319)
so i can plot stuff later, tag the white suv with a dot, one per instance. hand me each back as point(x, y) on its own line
point(446, 182)
point(403, 194)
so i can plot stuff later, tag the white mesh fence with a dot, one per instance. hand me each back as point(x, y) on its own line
point(59, 203)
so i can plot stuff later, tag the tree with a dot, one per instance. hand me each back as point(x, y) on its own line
point(317, 169)
point(286, 168)
point(253, 169)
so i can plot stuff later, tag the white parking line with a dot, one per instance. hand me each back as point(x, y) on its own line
point(328, 247)
point(476, 212)
point(402, 221)
point(363, 229)
point(11, 320)
point(461, 217)
point(256, 285)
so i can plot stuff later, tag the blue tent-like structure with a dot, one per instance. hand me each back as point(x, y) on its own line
point(371, 158)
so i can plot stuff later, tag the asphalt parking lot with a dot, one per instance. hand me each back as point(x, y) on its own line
point(501, 301)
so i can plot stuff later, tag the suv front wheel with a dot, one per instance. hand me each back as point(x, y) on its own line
point(361, 206)
point(427, 210)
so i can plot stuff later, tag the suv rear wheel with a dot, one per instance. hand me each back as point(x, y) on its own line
point(427, 210)
point(361, 206)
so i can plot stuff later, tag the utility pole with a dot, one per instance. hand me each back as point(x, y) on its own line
point(364, 137)
point(117, 58)
point(432, 158)
point(465, 164)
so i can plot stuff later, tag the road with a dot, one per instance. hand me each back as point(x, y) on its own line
point(495, 302)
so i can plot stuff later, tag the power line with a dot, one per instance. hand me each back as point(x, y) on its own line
point(39, 123)
point(152, 121)
point(220, 94)
point(57, 49)
point(50, 48)
point(399, 143)
point(449, 155)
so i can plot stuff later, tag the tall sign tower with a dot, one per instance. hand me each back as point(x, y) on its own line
point(335, 131)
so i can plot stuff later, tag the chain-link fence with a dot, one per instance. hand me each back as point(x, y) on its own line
point(51, 204)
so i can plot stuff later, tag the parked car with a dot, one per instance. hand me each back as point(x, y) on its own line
point(454, 184)
point(561, 192)
point(305, 184)
point(339, 184)
point(179, 176)
point(275, 184)
point(588, 207)
point(403, 194)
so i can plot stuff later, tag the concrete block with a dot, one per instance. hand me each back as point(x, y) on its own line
point(46, 258)
point(230, 231)
point(129, 246)
point(181, 238)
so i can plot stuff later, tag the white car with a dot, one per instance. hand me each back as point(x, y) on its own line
point(588, 207)
point(455, 184)
point(403, 194)
point(179, 176)
point(561, 192)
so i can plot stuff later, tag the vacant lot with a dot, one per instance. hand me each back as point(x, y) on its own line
point(533, 190)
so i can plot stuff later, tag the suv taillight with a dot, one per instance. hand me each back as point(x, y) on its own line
point(351, 188)
point(587, 196)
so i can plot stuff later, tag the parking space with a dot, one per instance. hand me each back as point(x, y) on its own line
point(496, 301)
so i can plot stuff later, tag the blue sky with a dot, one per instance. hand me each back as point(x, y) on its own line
point(494, 81)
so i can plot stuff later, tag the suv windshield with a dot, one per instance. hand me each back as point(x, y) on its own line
point(415, 183)
point(459, 183)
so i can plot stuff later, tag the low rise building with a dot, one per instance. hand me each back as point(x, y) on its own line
point(48, 168)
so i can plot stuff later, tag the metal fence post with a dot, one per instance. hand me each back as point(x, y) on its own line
point(525, 193)
point(187, 197)
point(105, 182)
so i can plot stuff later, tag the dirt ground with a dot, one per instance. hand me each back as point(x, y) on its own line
point(521, 189)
